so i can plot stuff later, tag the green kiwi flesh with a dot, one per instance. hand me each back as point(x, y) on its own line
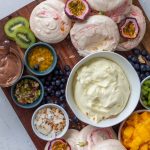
point(13, 24)
point(24, 37)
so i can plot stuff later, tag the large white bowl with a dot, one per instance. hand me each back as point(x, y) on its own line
point(134, 86)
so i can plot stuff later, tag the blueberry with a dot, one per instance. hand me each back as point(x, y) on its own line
point(61, 86)
point(47, 97)
point(144, 52)
point(49, 89)
point(142, 76)
point(130, 57)
point(62, 91)
point(58, 93)
point(143, 68)
point(147, 68)
point(53, 83)
point(147, 74)
point(60, 73)
point(63, 80)
point(75, 119)
point(136, 51)
point(68, 73)
point(136, 66)
point(63, 105)
point(52, 93)
point(56, 72)
point(148, 57)
point(54, 79)
point(61, 98)
point(67, 68)
point(36, 67)
point(58, 82)
point(134, 60)
point(49, 101)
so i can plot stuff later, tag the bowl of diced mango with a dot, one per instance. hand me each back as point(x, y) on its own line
point(134, 132)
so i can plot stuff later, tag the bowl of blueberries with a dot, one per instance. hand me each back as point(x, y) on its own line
point(140, 60)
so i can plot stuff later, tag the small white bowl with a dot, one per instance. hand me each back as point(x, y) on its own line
point(122, 124)
point(140, 96)
point(44, 137)
point(134, 82)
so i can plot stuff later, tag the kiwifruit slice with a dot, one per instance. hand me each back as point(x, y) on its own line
point(13, 24)
point(24, 37)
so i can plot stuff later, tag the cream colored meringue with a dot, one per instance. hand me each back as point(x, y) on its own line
point(49, 22)
point(105, 5)
point(98, 33)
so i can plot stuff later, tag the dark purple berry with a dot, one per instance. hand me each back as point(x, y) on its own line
point(54, 79)
point(62, 91)
point(144, 52)
point(148, 57)
point(143, 68)
point(61, 86)
point(53, 83)
point(36, 67)
point(67, 68)
point(57, 94)
point(136, 66)
point(147, 74)
point(56, 72)
point(58, 82)
point(136, 51)
point(68, 73)
point(63, 80)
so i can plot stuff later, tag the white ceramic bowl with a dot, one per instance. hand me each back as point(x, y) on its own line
point(44, 137)
point(122, 124)
point(134, 86)
point(140, 97)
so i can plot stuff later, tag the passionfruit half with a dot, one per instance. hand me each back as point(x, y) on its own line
point(57, 144)
point(77, 9)
point(129, 28)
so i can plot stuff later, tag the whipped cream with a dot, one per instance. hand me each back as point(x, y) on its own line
point(101, 89)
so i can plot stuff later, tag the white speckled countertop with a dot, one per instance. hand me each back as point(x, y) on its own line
point(13, 135)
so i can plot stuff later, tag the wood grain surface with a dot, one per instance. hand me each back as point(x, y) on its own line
point(67, 55)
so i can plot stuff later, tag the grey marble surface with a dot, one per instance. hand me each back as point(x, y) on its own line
point(13, 135)
point(9, 6)
point(146, 7)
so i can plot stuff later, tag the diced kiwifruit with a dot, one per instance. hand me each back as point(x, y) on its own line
point(14, 24)
point(24, 37)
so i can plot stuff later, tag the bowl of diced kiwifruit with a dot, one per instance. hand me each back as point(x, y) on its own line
point(145, 93)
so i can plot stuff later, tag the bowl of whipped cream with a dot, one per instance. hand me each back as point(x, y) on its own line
point(103, 89)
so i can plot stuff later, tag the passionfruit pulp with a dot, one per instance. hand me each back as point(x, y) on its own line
point(129, 28)
point(77, 9)
point(57, 144)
